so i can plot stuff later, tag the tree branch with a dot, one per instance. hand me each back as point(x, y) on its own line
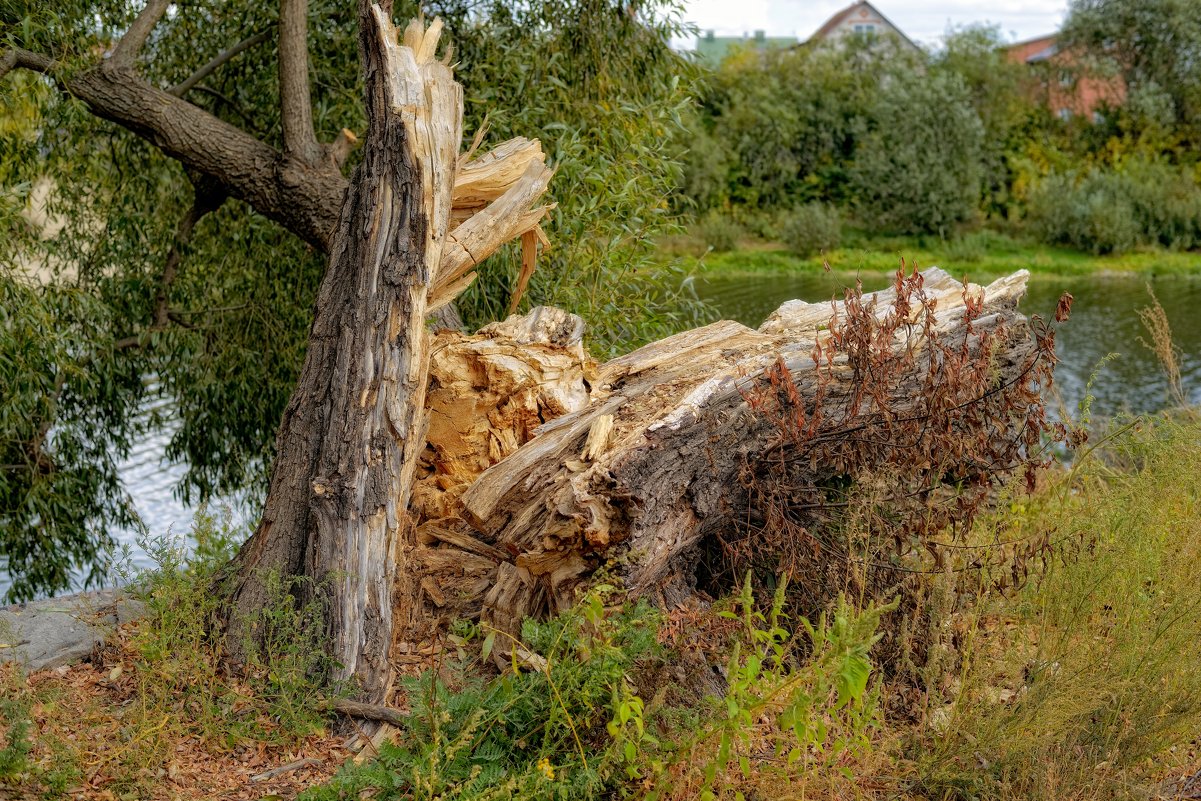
point(208, 198)
point(376, 712)
point(296, 105)
point(131, 43)
point(16, 57)
point(305, 199)
point(180, 89)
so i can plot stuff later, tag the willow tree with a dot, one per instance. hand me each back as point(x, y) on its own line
point(189, 163)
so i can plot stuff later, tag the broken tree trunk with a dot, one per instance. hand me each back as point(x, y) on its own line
point(336, 511)
point(645, 460)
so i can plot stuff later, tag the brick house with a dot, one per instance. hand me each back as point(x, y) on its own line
point(1067, 91)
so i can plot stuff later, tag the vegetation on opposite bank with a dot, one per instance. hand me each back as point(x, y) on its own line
point(982, 253)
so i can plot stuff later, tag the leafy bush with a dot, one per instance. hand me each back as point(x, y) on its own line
point(786, 122)
point(814, 688)
point(964, 250)
point(974, 246)
point(917, 166)
point(521, 735)
point(1112, 210)
point(719, 231)
point(566, 722)
point(599, 84)
point(14, 739)
point(812, 228)
point(158, 692)
point(178, 657)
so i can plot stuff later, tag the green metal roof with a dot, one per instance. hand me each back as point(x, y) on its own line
point(711, 50)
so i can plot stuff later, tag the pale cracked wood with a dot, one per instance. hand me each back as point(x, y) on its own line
point(488, 394)
point(337, 511)
point(649, 466)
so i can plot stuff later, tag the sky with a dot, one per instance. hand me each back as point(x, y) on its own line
point(924, 22)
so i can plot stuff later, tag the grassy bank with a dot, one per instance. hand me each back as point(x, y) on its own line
point(983, 253)
point(1081, 683)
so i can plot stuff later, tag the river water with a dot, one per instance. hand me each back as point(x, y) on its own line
point(1104, 320)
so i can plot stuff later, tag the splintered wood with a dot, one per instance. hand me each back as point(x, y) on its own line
point(488, 395)
point(541, 467)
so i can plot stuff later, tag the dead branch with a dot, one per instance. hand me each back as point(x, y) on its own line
point(182, 88)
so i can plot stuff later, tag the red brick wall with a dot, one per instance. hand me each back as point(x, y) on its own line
point(1082, 96)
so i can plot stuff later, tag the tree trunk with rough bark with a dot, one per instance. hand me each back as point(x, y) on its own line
point(336, 511)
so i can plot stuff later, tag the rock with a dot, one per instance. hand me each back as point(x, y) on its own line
point(59, 631)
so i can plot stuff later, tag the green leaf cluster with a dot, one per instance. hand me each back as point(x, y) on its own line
point(534, 732)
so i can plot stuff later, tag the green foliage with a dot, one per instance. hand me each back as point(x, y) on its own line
point(60, 436)
point(786, 122)
point(719, 231)
point(811, 228)
point(862, 123)
point(1141, 202)
point(178, 657)
point(14, 756)
point(1152, 47)
point(163, 689)
point(917, 167)
point(1099, 676)
point(597, 82)
point(521, 735)
point(1000, 93)
point(565, 722)
point(972, 248)
point(823, 707)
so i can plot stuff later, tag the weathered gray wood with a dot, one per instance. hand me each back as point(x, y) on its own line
point(649, 467)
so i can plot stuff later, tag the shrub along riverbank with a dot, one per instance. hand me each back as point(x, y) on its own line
point(716, 248)
point(1077, 682)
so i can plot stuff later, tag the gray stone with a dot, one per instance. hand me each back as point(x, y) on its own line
point(59, 631)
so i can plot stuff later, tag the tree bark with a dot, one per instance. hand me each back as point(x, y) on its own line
point(336, 509)
point(336, 514)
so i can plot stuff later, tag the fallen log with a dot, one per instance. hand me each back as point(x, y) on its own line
point(646, 456)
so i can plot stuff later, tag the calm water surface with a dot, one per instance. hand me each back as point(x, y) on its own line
point(1104, 320)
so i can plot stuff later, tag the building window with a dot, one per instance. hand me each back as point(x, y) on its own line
point(1064, 114)
point(867, 28)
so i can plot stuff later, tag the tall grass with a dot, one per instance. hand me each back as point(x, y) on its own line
point(1073, 688)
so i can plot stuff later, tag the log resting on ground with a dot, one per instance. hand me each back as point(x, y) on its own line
point(542, 466)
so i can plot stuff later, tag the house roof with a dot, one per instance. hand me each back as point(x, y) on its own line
point(1039, 48)
point(1049, 37)
point(836, 20)
point(713, 49)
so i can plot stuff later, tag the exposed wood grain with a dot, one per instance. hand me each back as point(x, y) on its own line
point(648, 467)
